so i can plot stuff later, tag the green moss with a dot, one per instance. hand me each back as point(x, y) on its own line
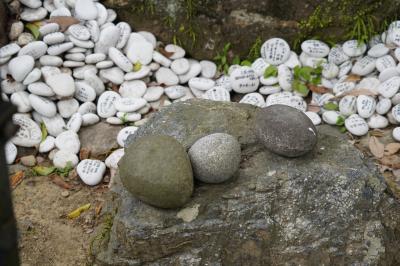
point(104, 233)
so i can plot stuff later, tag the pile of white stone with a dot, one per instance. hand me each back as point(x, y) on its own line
point(99, 69)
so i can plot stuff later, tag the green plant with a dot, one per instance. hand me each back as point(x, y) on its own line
point(104, 233)
point(221, 59)
point(364, 28)
point(305, 76)
point(340, 124)
point(255, 50)
point(271, 71)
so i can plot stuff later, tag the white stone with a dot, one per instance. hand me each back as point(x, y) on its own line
point(21, 100)
point(244, 80)
point(153, 93)
point(342, 87)
point(108, 38)
point(79, 72)
point(356, 125)
point(285, 77)
point(389, 87)
point(85, 9)
point(82, 44)
point(48, 28)
point(293, 61)
point(330, 117)
point(180, 66)
point(366, 106)
point(124, 134)
point(310, 61)
point(161, 59)
point(195, 70)
point(269, 81)
point(132, 89)
point(378, 50)
point(388, 73)
point(54, 38)
point(105, 104)
point(87, 108)
point(396, 99)
point(129, 104)
point(90, 119)
point(33, 76)
point(102, 14)
point(275, 51)
point(253, 98)
point(330, 70)
point(208, 69)
point(64, 158)
point(79, 32)
point(266, 90)
point(9, 50)
point(364, 66)
point(95, 58)
point(383, 106)
point(217, 94)
point(43, 106)
point(114, 75)
point(315, 48)
point(396, 134)
point(35, 49)
point(95, 82)
point(129, 117)
point(314, 117)
point(120, 59)
point(60, 12)
point(385, 62)
point(345, 68)
point(75, 57)
point(177, 51)
point(286, 98)
point(31, 15)
point(67, 107)
point(47, 144)
point(353, 48)
point(125, 30)
point(19, 67)
point(51, 60)
point(8, 86)
point(11, 152)
point(396, 112)
point(68, 141)
point(139, 51)
point(113, 159)
point(91, 172)
point(337, 55)
point(378, 121)
point(259, 66)
point(55, 125)
point(28, 134)
point(175, 92)
point(84, 92)
point(114, 120)
point(75, 122)
point(73, 64)
point(166, 76)
point(202, 84)
point(94, 30)
point(142, 73)
point(58, 49)
point(348, 105)
point(62, 84)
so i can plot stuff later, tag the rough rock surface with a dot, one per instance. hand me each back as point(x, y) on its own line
point(329, 207)
point(3, 23)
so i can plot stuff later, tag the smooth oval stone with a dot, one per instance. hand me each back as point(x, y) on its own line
point(175, 92)
point(120, 59)
point(266, 90)
point(28, 134)
point(330, 70)
point(125, 30)
point(396, 134)
point(95, 82)
point(62, 84)
point(54, 38)
point(35, 49)
point(140, 51)
point(142, 73)
point(51, 60)
point(285, 77)
point(348, 105)
point(9, 87)
point(64, 158)
point(61, 11)
point(21, 100)
point(396, 112)
point(353, 48)
point(219, 94)
point(48, 28)
point(128, 105)
point(114, 120)
point(396, 99)
point(364, 66)
point(337, 55)
point(58, 49)
point(153, 93)
point(102, 14)
point(330, 117)
point(315, 48)
point(244, 80)
point(378, 50)
point(388, 73)
point(79, 72)
point(314, 117)
point(79, 43)
point(378, 121)
point(342, 87)
point(75, 57)
point(95, 58)
point(15, 30)
point(385, 62)
point(383, 106)
point(177, 51)
point(254, 98)
point(215, 158)
point(90, 119)
point(129, 117)
point(79, 32)
point(68, 141)
point(202, 84)
point(164, 181)
point(85, 9)
point(94, 30)
point(72, 64)
point(43, 106)
point(389, 87)
point(25, 38)
point(10, 152)
point(105, 104)
point(84, 92)
point(9, 50)
point(161, 59)
point(310, 61)
point(114, 75)
point(75, 122)
point(91, 172)
point(293, 61)
point(275, 51)
point(166, 76)
point(269, 81)
point(32, 3)
point(108, 38)
point(195, 70)
point(33, 76)
point(47, 144)
point(356, 125)
point(300, 133)
point(132, 89)
point(259, 66)
point(19, 67)
point(370, 83)
point(124, 134)
point(55, 125)
point(180, 66)
point(148, 36)
point(67, 107)
point(31, 15)
point(113, 159)
point(345, 68)
point(208, 69)
point(87, 107)
point(365, 106)
point(288, 99)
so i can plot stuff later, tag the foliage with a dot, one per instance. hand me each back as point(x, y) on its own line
point(222, 58)
point(303, 76)
point(271, 71)
point(255, 50)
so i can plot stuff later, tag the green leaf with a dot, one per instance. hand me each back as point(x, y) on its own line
point(296, 72)
point(343, 129)
point(223, 60)
point(65, 171)
point(305, 73)
point(331, 106)
point(44, 131)
point(236, 60)
point(340, 121)
point(316, 80)
point(43, 170)
point(227, 47)
point(300, 87)
point(271, 71)
point(34, 29)
point(245, 63)
point(124, 118)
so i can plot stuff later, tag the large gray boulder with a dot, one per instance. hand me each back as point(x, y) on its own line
point(329, 207)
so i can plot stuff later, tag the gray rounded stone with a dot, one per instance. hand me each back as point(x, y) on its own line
point(215, 158)
point(285, 130)
point(157, 170)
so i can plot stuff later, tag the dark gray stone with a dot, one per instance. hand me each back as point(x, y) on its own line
point(3, 23)
point(329, 207)
point(285, 130)
point(157, 170)
point(215, 158)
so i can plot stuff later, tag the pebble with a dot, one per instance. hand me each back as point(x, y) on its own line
point(113, 159)
point(396, 133)
point(208, 69)
point(68, 141)
point(353, 48)
point(389, 87)
point(254, 98)
point(378, 121)
point(365, 106)
point(108, 38)
point(28, 134)
point(62, 158)
point(79, 32)
point(21, 100)
point(85, 9)
point(62, 84)
point(11, 152)
point(166, 76)
point(9, 50)
point(105, 104)
point(337, 55)
point(84, 92)
point(91, 172)
point(202, 84)
point(132, 89)
point(28, 160)
point(19, 67)
point(364, 66)
point(383, 106)
point(142, 73)
point(275, 51)
point(54, 125)
point(42, 105)
point(153, 93)
point(35, 49)
point(244, 80)
point(180, 66)
point(128, 105)
point(33, 76)
point(314, 117)
point(124, 134)
point(356, 125)
point(348, 105)
point(315, 48)
point(90, 119)
point(58, 49)
point(114, 75)
point(31, 15)
point(330, 117)
point(385, 62)
point(67, 107)
point(47, 144)
point(378, 50)
point(177, 51)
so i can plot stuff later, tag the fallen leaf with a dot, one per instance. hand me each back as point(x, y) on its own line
point(98, 209)
point(34, 29)
point(353, 78)
point(84, 153)
point(63, 21)
point(318, 89)
point(377, 133)
point(76, 213)
point(56, 179)
point(358, 92)
point(16, 179)
point(165, 53)
point(392, 148)
point(376, 147)
point(115, 87)
point(43, 170)
point(393, 161)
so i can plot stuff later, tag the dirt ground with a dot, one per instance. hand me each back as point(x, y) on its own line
point(46, 235)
